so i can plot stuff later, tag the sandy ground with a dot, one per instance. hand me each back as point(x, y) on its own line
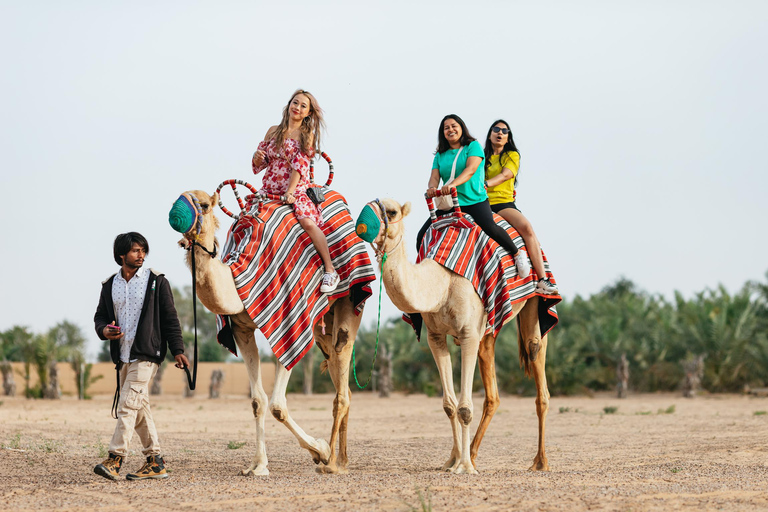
point(710, 453)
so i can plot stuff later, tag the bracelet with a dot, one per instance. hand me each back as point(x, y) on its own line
point(486, 184)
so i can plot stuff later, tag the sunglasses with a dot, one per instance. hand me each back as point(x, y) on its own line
point(503, 131)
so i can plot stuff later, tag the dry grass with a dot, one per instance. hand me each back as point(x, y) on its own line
point(706, 453)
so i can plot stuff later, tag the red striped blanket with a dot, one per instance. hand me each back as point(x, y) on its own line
point(458, 244)
point(278, 273)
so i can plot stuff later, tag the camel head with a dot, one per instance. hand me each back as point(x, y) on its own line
point(191, 215)
point(384, 230)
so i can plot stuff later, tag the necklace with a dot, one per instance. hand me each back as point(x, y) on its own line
point(291, 133)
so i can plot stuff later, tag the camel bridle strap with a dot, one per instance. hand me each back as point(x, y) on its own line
point(381, 254)
point(378, 324)
point(197, 227)
point(193, 242)
point(192, 379)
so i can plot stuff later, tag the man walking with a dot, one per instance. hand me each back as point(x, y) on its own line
point(136, 314)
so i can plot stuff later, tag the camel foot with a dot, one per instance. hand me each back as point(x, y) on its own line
point(539, 464)
point(255, 471)
point(321, 452)
point(450, 464)
point(331, 469)
point(465, 468)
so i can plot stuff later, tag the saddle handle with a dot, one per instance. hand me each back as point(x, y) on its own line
point(330, 170)
point(254, 197)
point(431, 203)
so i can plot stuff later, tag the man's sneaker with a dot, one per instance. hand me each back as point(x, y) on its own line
point(330, 282)
point(545, 287)
point(110, 467)
point(521, 262)
point(154, 468)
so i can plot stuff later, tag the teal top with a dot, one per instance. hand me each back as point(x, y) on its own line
point(473, 191)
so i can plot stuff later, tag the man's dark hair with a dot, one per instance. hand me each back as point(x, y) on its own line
point(124, 242)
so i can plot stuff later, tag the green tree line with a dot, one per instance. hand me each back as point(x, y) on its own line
point(65, 342)
point(657, 335)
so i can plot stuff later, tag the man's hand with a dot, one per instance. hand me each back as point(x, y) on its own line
point(181, 361)
point(112, 332)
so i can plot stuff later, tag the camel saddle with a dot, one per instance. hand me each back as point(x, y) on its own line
point(458, 244)
point(278, 273)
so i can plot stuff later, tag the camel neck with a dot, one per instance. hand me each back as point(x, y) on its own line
point(405, 282)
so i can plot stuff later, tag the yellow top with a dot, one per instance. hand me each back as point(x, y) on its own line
point(503, 192)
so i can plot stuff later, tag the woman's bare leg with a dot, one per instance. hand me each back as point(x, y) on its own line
point(318, 239)
point(523, 226)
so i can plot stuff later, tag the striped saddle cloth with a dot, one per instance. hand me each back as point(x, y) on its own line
point(458, 244)
point(278, 273)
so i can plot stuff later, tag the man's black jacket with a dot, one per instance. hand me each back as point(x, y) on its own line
point(158, 328)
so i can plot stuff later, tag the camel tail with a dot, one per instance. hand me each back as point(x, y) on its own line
point(525, 360)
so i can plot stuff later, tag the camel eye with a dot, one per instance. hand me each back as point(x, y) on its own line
point(204, 206)
point(391, 213)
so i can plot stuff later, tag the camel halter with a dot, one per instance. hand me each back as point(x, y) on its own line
point(186, 217)
point(368, 227)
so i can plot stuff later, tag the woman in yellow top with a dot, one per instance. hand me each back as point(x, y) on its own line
point(502, 162)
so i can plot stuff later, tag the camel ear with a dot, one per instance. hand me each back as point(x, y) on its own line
point(214, 199)
point(406, 209)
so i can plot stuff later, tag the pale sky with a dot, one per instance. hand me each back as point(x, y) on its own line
point(639, 126)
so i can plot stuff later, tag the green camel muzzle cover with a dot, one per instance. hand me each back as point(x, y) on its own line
point(368, 224)
point(183, 215)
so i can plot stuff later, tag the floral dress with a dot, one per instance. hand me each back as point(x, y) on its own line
point(279, 165)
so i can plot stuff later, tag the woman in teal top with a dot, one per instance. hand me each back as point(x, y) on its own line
point(455, 144)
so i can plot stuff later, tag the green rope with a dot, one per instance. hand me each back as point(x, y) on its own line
point(378, 324)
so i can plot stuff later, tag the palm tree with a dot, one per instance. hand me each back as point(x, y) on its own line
point(63, 341)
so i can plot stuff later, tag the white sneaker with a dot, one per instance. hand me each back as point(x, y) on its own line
point(545, 287)
point(330, 282)
point(521, 262)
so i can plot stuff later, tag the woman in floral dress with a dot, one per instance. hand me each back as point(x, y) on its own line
point(285, 154)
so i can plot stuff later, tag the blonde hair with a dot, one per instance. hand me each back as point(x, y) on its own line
point(311, 127)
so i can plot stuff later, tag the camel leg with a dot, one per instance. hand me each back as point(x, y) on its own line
point(278, 406)
point(345, 325)
point(536, 345)
point(439, 348)
point(487, 357)
point(469, 350)
point(243, 330)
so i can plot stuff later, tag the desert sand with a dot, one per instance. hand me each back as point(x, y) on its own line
point(655, 452)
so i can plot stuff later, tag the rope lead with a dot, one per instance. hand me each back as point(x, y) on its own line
point(378, 324)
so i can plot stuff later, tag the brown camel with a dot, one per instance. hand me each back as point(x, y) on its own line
point(216, 290)
point(450, 305)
